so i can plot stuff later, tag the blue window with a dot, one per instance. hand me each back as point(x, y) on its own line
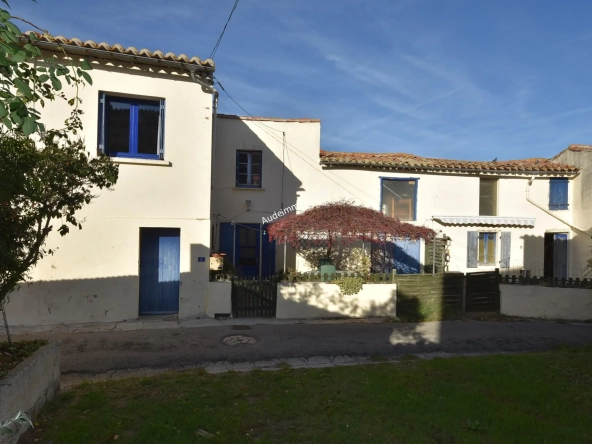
point(248, 169)
point(399, 198)
point(558, 197)
point(486, 250)
point(130, 127)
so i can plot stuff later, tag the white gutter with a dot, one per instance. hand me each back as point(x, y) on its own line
point(550, 213)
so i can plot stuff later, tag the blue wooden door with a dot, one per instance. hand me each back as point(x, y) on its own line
point(250, 249)
point(406, 256)
point(560, 255)
point(159, 270)
point(267, 254)
point(248, 238)
point(401, 255)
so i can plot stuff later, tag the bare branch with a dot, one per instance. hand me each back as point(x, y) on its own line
point(44, 31)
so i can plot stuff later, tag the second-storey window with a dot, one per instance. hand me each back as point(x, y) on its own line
point(131, 127)
point(399, 198)
point(558, 195)
point(487, 197)
point(248, 169)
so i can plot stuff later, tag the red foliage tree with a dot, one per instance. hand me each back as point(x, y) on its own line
point(324, 224)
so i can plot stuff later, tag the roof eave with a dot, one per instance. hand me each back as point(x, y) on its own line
point(103, 54)
point(451, 170)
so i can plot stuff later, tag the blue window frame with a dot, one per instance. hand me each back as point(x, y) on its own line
point(248, 169)
point(398, 197)
point(558, 194)
point(487, 243)
point(131, 127)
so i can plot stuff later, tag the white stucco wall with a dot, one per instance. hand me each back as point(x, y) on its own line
point(93, 276)
point(580, 200)
point(534, 301)
point(303, 300)
point(306, 183)
point(219, 298)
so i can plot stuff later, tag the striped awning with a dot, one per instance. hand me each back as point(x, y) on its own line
point(486, 221)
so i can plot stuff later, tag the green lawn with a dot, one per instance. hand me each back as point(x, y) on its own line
point(528, 398)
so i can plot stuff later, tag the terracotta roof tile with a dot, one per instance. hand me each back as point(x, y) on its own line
point(269, 119)
point(119, 49)
point(577, 147)
point(405, 161)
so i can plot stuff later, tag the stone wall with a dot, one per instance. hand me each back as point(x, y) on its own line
point(29, 386)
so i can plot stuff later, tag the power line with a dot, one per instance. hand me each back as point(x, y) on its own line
point(244, 110)
point(223, 30)
point(295, 150)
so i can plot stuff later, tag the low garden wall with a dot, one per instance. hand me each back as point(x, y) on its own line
point(219, 298)
point(536, 301)
point(29, 386)
point(299, 300)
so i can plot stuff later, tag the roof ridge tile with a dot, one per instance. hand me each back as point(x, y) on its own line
point(120, 49)
point(407, 160)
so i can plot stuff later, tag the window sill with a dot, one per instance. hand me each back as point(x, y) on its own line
point(248, 189)
point(132, 161)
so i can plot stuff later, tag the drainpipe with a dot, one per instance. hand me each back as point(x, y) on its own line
point(550, 213)
point(210, 89)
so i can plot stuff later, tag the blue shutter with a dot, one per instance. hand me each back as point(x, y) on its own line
point(101, 130)
point(237, 156)
point(133, 134)
point(506, 239)
point(472, 249)
point(415, 201)
point(558, 198)
point(226, 240)
point(161, 132)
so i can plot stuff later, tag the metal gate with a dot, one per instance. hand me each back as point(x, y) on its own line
point(483, 292)
point(254, 297)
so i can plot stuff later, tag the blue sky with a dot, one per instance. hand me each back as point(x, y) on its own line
point(460, 79)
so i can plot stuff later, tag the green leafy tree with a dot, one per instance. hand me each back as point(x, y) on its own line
point(23, 85)
point(47, 178)
point(42, 189)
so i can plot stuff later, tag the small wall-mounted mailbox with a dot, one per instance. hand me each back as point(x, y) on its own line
point(217, 261)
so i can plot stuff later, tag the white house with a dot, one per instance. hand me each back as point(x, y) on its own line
point(513, 215)
point(193, 182)
point(580, 156)
point(144, 247)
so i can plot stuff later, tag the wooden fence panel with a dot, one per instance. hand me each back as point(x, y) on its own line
point(483, 292)
point(254, 298)
point(418, 293)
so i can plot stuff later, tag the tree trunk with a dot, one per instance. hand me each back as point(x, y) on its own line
point(6, 327)
point(330, 245)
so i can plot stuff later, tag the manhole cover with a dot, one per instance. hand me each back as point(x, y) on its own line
point(239, 340)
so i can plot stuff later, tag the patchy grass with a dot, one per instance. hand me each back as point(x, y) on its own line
point(528, 398)
point(10, 357)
